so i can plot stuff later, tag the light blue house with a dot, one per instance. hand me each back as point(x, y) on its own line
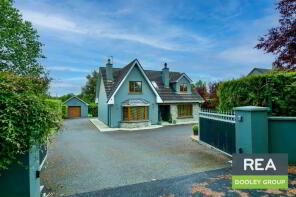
point(133, 97)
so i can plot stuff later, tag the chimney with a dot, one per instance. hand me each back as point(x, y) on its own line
point(109, 71)
point(165, 76)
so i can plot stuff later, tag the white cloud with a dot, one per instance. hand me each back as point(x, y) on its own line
point(75, 79)
point(69, 69)
point(52, 21)
point(162, 36)
point(245, 54)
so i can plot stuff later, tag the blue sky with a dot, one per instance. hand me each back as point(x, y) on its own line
point(210, 40)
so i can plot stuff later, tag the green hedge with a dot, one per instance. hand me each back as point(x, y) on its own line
point(55, 105)
point(65, 111)
point(276, 90)
point(93, 110)
point(25, 119)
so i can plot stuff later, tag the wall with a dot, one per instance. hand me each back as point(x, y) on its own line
point(103, 106)
point(123, 94)
point(76, 102)
point(195, 110)
point(282, 135)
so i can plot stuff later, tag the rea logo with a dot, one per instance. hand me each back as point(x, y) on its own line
point(256, 164)
point(260, 171)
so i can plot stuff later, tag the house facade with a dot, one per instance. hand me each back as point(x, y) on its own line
point(133, 97)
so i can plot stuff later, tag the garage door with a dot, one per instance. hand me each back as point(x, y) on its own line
point(74, 111)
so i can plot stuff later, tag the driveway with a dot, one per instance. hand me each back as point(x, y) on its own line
point(82, 159)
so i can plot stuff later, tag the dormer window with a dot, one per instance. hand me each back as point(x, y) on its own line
point(135, 87)
point(183, 88)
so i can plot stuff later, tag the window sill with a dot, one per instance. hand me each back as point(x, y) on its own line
point(135, 121)
point(131, 93)
point(184, 117)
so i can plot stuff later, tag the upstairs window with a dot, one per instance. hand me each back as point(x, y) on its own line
point(135, 87)
point(183, 88)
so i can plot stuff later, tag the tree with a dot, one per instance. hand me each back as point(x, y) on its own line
point(88, 92)
point(281, 40)
point(201, 88)
point(20, 47)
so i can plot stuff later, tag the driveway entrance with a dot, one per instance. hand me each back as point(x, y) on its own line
point(82, 159)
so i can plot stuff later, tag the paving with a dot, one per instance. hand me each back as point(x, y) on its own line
point(215, 183)
point(82, 159)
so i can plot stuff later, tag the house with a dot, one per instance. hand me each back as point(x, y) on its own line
point(133, 97)
point(259, 71)
point(76, 107)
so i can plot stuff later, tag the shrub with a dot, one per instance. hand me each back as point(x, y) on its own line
point(65, 111)
point(25, 119)
point(93, 109)
point(55, 105)
point(195, 129)
point(276, 90)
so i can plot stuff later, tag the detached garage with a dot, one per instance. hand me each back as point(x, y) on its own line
point(76, 107)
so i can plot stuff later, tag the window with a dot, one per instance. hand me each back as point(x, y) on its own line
point(185, 110)
point(183, 88)
point(135, 113)
point(135, 87)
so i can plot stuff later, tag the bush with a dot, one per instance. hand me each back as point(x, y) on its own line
point(195, 129)
point(93, 109)
point(55, 105)
point(25, 119)
point(65, 111)
point(276, 90)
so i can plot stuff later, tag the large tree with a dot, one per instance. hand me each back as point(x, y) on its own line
point(88, 92)
point(20, 48)
point(281, 40)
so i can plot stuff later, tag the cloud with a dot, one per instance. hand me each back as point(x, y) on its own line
point(160, 35)
point(245, 54)
point(69, 69)
point(52, 21)
point(75, 79)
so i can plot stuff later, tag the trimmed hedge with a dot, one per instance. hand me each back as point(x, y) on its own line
point(276, 90)
point(55, 105)
point(25, 118)
point(65, 111)
point(93, 109)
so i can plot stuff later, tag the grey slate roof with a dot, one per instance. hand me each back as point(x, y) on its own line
point(166, 94)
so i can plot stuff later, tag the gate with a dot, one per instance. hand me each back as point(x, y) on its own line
point(218, 130)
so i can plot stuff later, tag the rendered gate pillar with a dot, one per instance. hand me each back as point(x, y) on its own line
point(251, 129)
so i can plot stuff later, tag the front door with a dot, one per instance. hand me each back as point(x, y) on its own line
point(74, 111)
point(165, 113)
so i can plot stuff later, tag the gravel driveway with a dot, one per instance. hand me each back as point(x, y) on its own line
point(82, 159)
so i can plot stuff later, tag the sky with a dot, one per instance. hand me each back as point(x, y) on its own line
point(209, 40)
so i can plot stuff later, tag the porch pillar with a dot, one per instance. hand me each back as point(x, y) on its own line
point(251, 129)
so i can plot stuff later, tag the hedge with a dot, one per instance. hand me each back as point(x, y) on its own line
point(276, 90)
point(65, 111)
point(25, 118)
point(93, 109)
point(55, 105)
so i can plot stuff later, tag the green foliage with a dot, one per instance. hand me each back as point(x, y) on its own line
point(64, 97)
point(20, 47)
point(88, 92)
point(276, 90)
point(93, 109)
point(55, 105)
point(65, 111)
point(25, 118)
point(195, 129)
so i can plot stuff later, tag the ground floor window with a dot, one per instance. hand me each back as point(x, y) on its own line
point(185, 110)
point(135, 113)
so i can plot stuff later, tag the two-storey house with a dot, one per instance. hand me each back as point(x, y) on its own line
point(133, 97)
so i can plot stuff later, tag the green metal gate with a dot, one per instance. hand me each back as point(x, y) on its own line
point(218, 130)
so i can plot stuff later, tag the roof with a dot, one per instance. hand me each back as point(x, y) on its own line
point(166, 94)
point(260, 70)
point(76, 98)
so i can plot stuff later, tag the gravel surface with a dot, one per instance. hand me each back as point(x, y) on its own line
point(82, 159)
